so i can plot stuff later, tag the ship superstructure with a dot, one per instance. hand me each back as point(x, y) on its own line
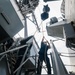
point(19, 56)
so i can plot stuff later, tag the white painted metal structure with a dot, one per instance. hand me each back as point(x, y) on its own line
point(61, 29)
point(9, 19)
point(11, 22)
point(67, 30)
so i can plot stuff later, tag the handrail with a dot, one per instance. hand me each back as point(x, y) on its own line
point(12, 50)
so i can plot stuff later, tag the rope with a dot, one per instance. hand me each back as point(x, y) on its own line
point(42, 31)
point(42, 21)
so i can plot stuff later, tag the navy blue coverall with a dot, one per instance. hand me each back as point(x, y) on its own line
point(43, 57)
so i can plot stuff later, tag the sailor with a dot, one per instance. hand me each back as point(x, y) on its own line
point(43, 56)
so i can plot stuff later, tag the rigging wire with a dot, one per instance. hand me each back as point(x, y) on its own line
point(42, 31)
point(36, 29)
